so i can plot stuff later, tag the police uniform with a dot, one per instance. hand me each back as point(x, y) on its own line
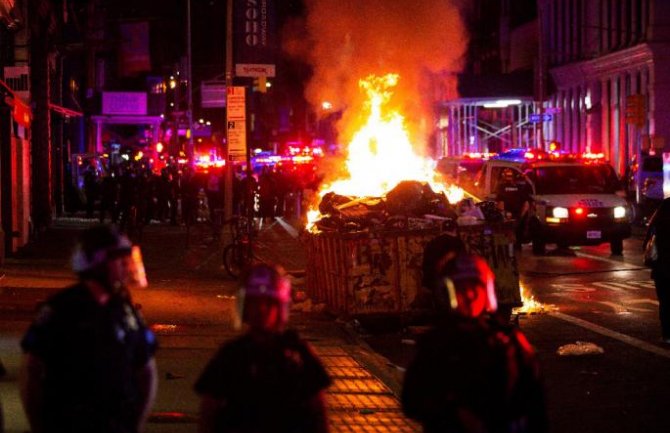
point(267, 384)
point(514, 194)
point(91, 353)
point(474, 375)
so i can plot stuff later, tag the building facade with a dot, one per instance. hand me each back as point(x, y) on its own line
point(15, 131)
point(603, 57)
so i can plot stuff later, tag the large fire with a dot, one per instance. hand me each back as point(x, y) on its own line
point(380, 154)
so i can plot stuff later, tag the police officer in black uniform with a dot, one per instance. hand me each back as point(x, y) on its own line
point(88, 357)
point(514, 196)
point(268, 379)
point(472, 372)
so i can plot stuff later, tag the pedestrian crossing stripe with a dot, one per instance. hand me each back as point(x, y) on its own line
point(609, 285)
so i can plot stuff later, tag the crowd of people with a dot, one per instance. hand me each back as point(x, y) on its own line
point(134, 194)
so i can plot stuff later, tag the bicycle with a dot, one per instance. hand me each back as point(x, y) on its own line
point(238, 254)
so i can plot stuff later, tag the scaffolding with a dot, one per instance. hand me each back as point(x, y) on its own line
point(489, 125)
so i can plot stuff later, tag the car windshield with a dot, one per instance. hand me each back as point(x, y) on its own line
point(574, 179)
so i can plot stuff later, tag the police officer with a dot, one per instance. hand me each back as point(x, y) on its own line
point(472, 372)
point(514, 196)
point(88, 357)
point(268, 379)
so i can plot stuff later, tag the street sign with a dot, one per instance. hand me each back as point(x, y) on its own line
point(236, 120)
point(537, 118)
point(254, 70)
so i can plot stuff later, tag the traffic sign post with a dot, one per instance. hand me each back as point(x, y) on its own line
point(236, 121)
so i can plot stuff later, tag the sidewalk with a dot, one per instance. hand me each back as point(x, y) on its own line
point(190, 305)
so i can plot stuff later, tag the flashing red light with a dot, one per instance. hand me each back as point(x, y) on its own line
point(479, 155)
point(588, 155)
point(579, 211)
point(529, 155)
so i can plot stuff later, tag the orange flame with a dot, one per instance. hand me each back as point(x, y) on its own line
point(530, 305)
point(380, 154)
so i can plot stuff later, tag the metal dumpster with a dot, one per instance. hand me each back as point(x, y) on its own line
point(379, 272)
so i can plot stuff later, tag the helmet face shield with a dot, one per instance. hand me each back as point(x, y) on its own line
point(264, 288)
point(98, 246)
point(105, 255)
point(468, 286)
point(277, 287)
point(137, 276)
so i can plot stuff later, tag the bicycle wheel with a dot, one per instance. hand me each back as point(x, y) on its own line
point(235, 259)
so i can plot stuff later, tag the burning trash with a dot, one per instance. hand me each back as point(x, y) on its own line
point(385, 180)
point(409, 199)
point(366, 236)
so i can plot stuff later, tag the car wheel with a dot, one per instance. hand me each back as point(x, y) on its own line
point(616, 247)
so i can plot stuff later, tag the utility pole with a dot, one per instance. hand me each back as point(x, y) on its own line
point(228, 193)
point(189, 111)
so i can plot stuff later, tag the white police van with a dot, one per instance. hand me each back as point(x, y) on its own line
point(575, 200)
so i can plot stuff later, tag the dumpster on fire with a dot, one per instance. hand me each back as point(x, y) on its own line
point(379, 271)
point(365, 254)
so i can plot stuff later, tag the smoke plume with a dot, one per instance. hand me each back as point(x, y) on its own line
point(346, 40)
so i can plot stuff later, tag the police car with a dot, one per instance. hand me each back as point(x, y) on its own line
point(576, 200)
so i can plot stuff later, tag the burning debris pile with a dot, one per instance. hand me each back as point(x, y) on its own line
point(373, 193)
point(411, 205)
point(402, 208)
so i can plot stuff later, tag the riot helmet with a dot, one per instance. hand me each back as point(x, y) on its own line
point(264, 283)
point(101, 246)
point(468, 286)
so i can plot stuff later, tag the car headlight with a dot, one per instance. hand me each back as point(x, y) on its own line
point(560, 212)
point(619, 212)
